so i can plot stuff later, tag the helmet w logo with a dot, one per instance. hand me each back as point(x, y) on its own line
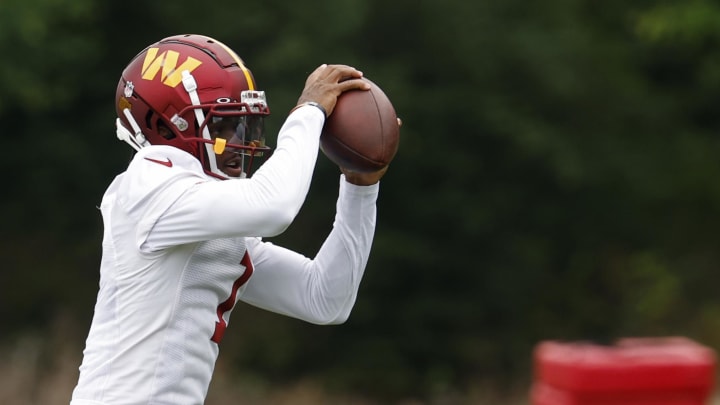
point(167, 61)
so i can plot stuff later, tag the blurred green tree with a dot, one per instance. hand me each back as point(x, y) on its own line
point(556, 177)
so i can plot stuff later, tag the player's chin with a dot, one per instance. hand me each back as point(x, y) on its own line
point(232, 172)
point(231, 166)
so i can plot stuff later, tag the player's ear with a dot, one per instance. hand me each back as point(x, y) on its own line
point(165, 132)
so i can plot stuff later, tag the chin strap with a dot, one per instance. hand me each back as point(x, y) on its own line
point(191, 87)
point(137, 139)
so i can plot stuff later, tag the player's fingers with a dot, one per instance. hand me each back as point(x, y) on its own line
point(316, 74)
point(331, 75)
point(353, 84)
point(339, 73)
point(327, 82)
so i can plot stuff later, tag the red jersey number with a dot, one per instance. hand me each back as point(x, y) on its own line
point(229, 303)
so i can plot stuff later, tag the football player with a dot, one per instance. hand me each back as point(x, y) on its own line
point(183, 224)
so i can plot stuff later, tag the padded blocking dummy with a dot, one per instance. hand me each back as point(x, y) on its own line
point(633, 371)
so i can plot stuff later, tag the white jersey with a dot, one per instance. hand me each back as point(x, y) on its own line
point(180, 248)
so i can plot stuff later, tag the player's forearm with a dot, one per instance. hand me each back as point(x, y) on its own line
point(263, 205)
point(284, 179)
point(267, 203)
point(322, 290)
point(343, 257)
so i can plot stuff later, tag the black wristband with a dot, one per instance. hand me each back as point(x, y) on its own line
point(312, 103)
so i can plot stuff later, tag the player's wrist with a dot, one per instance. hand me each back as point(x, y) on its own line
point(313, 104)
point(357, 190)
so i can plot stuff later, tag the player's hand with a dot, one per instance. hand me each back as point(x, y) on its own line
point(327, 82)
point(363, 179)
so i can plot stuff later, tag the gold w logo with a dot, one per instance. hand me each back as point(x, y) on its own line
point(167, 61)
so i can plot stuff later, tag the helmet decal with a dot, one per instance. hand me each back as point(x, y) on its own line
point(129, 87)
point(179, 122)
point(168, 60)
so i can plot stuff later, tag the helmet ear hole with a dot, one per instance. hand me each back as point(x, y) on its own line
point(165, 132)
point(157, 125)
point(148, 120)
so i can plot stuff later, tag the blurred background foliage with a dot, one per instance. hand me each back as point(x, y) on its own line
point(557, 176)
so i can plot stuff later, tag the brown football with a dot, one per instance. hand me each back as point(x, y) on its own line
point(362, 134)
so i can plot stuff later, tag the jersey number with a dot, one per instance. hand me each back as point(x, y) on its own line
point(229, 303)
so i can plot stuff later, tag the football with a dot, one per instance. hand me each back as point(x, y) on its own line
point(362, 134)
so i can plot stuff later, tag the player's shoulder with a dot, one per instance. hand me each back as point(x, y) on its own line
point(157, 170)
point(153, 166)
point(163, 158)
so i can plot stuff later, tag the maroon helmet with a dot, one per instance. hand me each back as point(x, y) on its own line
point(173, 92)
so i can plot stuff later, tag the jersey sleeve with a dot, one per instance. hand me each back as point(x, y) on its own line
point(321, 290)
point(260, 206)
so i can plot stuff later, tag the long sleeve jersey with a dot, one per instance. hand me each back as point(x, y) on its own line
point(181, 248)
